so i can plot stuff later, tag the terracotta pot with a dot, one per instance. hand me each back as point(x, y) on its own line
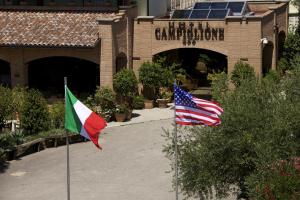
point(148, 104)
point(120, 117)
point(162, 103)
point(129, 114)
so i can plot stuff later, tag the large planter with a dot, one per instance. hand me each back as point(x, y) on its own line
point(129, 114)
point(162, 103)
point(120, 117)
point(148, 104)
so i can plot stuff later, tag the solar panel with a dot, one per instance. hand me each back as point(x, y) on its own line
point(199, 14)
point(181, 14)
point(236, 6)
point(218, 5)
point(202, 5)
point(217, 14)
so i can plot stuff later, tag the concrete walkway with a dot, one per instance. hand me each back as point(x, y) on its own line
point(131, 166)
point(147, 115)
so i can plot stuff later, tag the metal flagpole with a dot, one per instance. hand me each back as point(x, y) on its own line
point(67, 144)
point(176, 149)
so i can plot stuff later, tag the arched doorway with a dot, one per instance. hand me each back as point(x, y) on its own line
point(197, 63)
point(267, 57)
point(47, 75)
point(5, 74)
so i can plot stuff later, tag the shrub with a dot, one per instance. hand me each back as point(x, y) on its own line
point(125, 83)
point(18, 96)
point(57, 114)
point(281, 180)
point(138, 102)
point(5, 105)
point(260, 127)
point(105, 98)
point(242, 71)
point(219, 84)
point(8, 141)
point(34, 113)
point(120, 109)
point(150, 75)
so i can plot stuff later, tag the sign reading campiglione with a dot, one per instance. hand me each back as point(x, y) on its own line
point(189, 32)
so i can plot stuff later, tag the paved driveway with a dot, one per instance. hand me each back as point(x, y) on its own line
point(130, 167)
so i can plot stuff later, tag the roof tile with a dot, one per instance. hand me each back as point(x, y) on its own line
point(50, 28)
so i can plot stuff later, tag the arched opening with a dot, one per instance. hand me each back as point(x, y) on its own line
point(5, 77)
point(121, 62)
point(197, 63)
point(47, 75)
point(281, 40)
point(267, 57)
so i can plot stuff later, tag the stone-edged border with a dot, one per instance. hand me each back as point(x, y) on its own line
point(40, 144)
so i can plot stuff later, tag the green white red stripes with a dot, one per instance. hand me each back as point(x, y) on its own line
point(80, 119)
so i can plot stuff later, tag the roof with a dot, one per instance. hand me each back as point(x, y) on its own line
point(50, 28)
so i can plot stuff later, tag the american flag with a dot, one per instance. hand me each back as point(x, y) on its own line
point(193, 111)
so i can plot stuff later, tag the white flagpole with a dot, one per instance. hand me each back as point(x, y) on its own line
point(67, 145)
point(176, 149)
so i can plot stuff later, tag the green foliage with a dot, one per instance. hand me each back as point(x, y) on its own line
point(242, 71)
point(138, 102)
point(10, 140)
point(260, 127)
point(150, 75)
point(219, 85)
point(5, 105)
point(105, 98)
point(170, 71)
point(280, 180)
point(102, 102)
point(57, 114)
point(121, 109)
point(34, 113)
point(291, 46)
point(125, 83)
point(18, 96)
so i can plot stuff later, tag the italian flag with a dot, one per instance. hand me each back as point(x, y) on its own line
point(80, 119)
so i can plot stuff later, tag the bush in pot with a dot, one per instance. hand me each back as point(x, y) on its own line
point(120, 113)
point(138, 102)
point(125, 85)
point(104, 102)
point(150, 75)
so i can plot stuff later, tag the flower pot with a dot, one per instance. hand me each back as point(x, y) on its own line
point(148, 104)
point(129, 114)
point(120, 117)
point(162, 103)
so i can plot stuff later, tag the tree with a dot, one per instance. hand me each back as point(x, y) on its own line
point(5, 105)
point(260, 128)
point(34, 113)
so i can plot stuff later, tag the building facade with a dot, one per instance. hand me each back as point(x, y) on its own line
point(38, 37)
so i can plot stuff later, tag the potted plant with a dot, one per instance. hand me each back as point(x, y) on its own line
point(164, 97)
point(120, 113)
point(125, 85)
point(150, 75)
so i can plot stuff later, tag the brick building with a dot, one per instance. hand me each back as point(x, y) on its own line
point(89, 40)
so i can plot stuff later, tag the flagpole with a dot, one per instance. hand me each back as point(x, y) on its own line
point(67, 145)
point(176, 150)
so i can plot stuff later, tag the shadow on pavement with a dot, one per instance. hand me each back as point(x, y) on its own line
point(135, 115)
point(4, 166)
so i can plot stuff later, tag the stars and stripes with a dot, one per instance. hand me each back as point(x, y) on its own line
point(193, 111)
